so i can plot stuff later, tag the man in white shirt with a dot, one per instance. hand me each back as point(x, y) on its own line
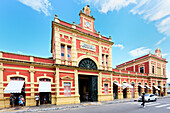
point(37, 99)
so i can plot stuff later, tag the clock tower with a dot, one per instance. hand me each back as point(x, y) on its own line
point(86, 21)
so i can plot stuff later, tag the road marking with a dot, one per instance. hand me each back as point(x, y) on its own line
point(153, 104)
point(150, 103)
point(168, 108)
point(162, 105)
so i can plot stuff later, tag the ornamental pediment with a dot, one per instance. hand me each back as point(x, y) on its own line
point(66, 78)
point(106, 80)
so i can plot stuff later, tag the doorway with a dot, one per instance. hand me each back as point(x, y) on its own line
point(125, 93)
point(159, 91)
point(16, 95)
point(45, 97)
point(133, 90)
point(22, 93)
point(115, 91)
point(139, 89)
point(88, 89)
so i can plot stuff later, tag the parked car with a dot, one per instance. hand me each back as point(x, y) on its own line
point(148, 97)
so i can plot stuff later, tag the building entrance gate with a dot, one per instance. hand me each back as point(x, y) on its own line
point(88, 89)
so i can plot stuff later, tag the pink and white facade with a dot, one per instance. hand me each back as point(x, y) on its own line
point(80, 69)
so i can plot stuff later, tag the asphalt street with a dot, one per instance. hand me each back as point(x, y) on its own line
point(160, 106)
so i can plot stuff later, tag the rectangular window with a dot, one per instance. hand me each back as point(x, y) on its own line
point(141, 69)
point(158, 70)
point(163, 71)
point(106, 89)
point(67, 89)
point(62, 52)
point(102, 60)
point(153, 69)
point(69, 53)
point(106, 60)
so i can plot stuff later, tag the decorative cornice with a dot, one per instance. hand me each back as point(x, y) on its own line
point(1, 68)
point(66, 78)
point(32, 70)
point(88, 34)
point(106, 80)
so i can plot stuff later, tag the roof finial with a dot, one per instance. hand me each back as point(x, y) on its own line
point(87, 10)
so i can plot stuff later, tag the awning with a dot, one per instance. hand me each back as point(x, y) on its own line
point(163, 86)
point(44, 87)
point(127, 85)
point(156, 87)
point(118, 84)
point(14, 87)
point(148, 87)
point(142, 86)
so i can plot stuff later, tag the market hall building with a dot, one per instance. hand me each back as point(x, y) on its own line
point(80, 69)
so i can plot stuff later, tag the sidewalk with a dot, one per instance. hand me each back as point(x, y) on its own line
point(48, 107)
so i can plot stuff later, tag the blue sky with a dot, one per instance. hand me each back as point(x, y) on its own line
point(136, 26)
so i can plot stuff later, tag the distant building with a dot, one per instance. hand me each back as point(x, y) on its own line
point(168, 88)
point(80, 69)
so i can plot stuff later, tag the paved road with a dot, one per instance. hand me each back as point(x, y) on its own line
point(160, 106)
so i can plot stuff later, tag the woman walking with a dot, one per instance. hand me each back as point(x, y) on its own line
point(143, 100)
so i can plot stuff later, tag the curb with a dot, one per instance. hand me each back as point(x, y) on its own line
point(78, 106)
point(45, 109)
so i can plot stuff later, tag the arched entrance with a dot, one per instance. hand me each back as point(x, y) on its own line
point(88, 84)
point(154, 89)
point(87, 63)
point(115, 90)
point(133, 90)
point(159, 86)
point(124, 90)
point(139, 89)
point(18, 81)
point(45, 90)
point(146, 88)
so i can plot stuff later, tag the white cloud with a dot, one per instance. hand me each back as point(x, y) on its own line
point(38, 5)
point(119, 46)
point(157, 11)
point(109, 5)
point(168, 76)
point(19, 52)
point(160, 41)
point(165, 54)
point(139, 51)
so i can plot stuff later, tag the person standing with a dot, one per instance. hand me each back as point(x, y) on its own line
point(12, 100)
point(23, 101)
point(143, 100)
point(37, 99)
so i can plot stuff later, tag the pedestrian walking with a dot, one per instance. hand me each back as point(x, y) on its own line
point(143, 100)
point(162, 93)
point(45, 99)
point(23, 101)
point(37, 100)
point(12, 100)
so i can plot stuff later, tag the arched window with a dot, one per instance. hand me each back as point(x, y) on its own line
point(88, 64)
point(45, 80)
point(17, 78)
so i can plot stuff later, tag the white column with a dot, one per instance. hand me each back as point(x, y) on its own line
point(66, 55)
point(100, 56)
point(150, 66)
point(110, 58)
point(74, 52)
point(2, 104)
point(76, 82)
point(57, 81)
point(57, 46)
